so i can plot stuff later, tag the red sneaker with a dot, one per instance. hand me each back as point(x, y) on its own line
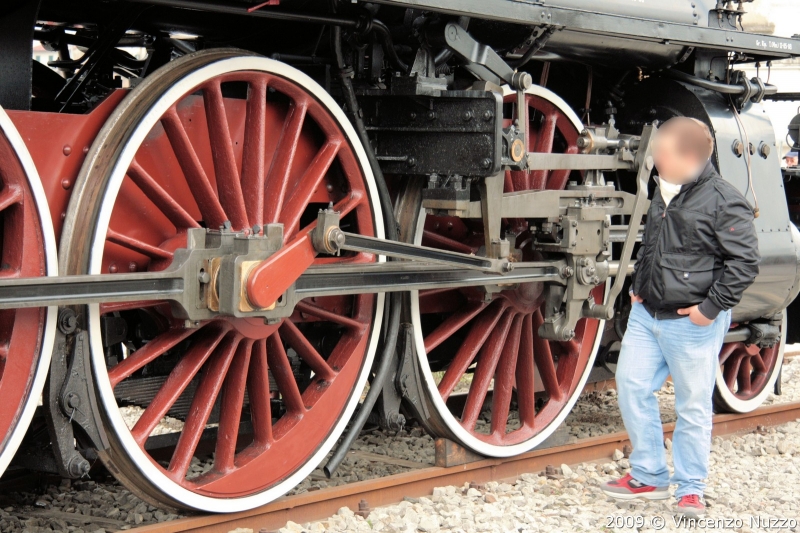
point(627, 488)
point(690, 506)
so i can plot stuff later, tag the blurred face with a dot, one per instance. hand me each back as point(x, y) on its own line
point(791, 161)
point(674, 162)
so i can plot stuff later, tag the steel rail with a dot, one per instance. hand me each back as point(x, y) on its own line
point(378, 492)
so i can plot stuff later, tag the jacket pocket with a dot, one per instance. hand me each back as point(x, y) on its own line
point(686, 278)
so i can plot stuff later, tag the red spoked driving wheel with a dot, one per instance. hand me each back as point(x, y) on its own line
point(490, 381)
point(27, 249)
point(230, 413)
point(747, 374)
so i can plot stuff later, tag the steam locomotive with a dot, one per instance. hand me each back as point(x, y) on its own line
point(232, 215)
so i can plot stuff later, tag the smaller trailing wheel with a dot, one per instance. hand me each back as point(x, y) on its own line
point(490, 381)
point(27, 249)
point(747, 373)
point(229, 413)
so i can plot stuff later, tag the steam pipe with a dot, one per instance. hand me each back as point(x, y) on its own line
point(394, 303)
point(724, 88)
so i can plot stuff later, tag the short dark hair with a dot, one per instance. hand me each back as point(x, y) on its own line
point(694, 136)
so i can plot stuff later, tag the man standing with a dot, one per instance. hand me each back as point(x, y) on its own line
point(698, 255)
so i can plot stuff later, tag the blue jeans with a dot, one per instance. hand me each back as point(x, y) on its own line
point(651, 350)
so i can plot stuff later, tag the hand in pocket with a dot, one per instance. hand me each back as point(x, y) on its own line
point(697, 318)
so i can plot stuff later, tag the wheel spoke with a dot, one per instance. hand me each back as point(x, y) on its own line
point(744, 376)
point(558, 178)
point(726, 351)
point(10, 195)
point(203, 402)
point(478, 333)
point(152, 350)
point(174, 212)
point(230, 413)
point(177, 381)
point(484, 371)
point(544, 144)
point(259, 394)
point(138, 246)
point(526, 377)
point(452, 324)
point(278, 176)
point(732, 369)
point(543, 357)
point(504, 378)
point(295, 338)
point(199, 184)
point(758, 362)
point(305, 307)
point(254, 166)
point(431, 238)
point(229, 187)
point(304, 190)
point(284, 377)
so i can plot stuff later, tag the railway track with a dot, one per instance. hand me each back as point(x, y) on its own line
point(423, 478)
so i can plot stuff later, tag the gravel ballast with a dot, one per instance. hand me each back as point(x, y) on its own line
point(92, 505)
point(754, 482)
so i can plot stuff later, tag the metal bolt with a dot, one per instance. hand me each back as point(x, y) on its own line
point(627, 450)
point(467, 115)
point(132, 267)
point(508, 266)
point(764, 150)
point(488, 115)
point(738, 148)
point(431, 115)
point(486, 163)
point(574, 223)
point(568, 334)
point(73, 400)
point(204, 277)
point(363, 509)
point(112, 268)
point(78, 466)
point(67, 321)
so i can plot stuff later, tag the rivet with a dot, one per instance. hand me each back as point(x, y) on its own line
point(112, 268)
point(132, 266)
point(67, 149)
point(66, 183)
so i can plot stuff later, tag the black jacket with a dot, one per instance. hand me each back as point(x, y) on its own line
point(702, 250)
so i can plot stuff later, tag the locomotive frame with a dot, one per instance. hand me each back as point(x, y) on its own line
point(459, 219)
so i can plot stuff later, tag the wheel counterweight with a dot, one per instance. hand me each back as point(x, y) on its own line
point(490, 381)
point(27, 249)
point(220, 140)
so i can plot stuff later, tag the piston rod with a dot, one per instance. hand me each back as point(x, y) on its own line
point(316, 281)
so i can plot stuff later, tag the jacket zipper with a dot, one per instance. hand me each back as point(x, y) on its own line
point(658, 240)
